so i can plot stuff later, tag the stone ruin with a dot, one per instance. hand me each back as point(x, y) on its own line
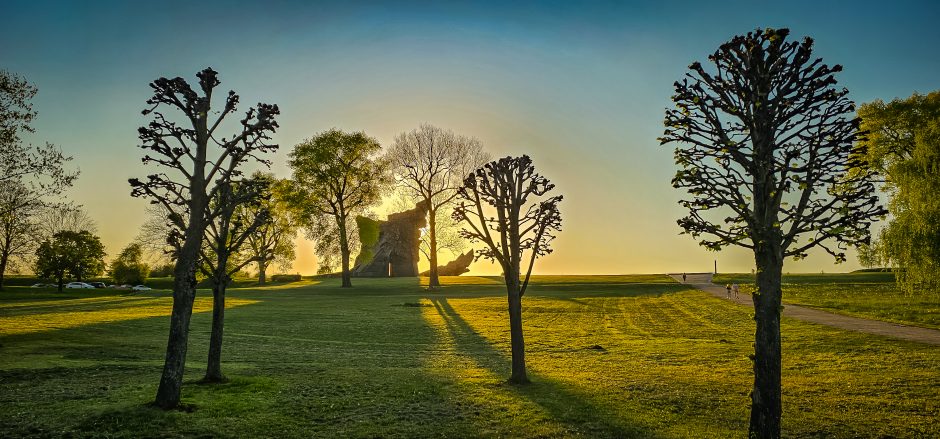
point(456, 267)
point(394, 251)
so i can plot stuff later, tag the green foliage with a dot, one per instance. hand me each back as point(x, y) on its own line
point(368, 236)
point(128, 267)
point(335, 176)
point(904, 144)
point(70, 254)
point(673, 365)
point(285, 278)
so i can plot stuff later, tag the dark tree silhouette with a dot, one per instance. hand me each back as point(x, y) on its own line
point(226, 234)
point(504, 188)
point(769, 139)
point(200, 164)
point(273, 241)
point(77, 255)
point(430, 163)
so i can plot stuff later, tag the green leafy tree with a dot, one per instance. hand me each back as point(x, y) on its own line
point(903, 144)
point(273, 241)
point(765, 146)
point(335, 177)
point(129, 267)
point(70, 255)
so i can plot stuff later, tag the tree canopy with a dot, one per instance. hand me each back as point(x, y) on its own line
point(70, 255)
point(903, 143)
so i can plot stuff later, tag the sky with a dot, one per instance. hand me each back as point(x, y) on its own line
point(581, 87)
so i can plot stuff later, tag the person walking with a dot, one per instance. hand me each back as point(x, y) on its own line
point(734, 289)
point(728, 289)
point(683, 277)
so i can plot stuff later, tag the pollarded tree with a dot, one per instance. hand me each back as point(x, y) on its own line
point(903, 144)
point(336, 176)
point(498, 203)
point(431, 163)
point(68, 254)
point(226, 236)
point(195, 163)
point(272, 241)
point(764, 148)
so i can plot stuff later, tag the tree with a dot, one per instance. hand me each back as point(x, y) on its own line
point(431, 164)
point(336, 176)
point(57, 218)
point(129, 267)
point(225, 237)
point(520, 224)
point(29, 177)
point(19, 161)
point(903, 144)
point(69, 254)
point(272, 241)
point(765, 145)
point(196, 163)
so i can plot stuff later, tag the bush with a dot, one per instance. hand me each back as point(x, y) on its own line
point(285, 278)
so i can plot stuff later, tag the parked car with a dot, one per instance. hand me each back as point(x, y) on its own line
point(42, 285)
point(97, 284)
point(78, 285)
point(141, 288)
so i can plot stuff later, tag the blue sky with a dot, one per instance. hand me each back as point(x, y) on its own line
point(580, 87)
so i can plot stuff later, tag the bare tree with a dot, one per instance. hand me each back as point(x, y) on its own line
point(520, 224)
point(202, 163)
point(57, 218)
point(431, 164)
point(765, 146)
point(226, 236)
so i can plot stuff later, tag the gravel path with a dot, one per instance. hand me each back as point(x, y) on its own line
point(922, 335)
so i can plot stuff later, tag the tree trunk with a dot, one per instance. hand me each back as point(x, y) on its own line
point(214, 364)
point(766, 404)
point(3, 267)
point(262, 277)
point(344, 251)
point(184, 293)
point(433, 280)
point(60, 282)
point(517, 341)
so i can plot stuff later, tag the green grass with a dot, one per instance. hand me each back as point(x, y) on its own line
point(861, 294)
point(609, 356)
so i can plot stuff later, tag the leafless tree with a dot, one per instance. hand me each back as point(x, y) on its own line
point(57, 218)
point(431, 164)
point(503, 188)
point(764, 148)
point(196, 163)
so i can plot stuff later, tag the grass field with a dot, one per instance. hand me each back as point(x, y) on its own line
point(861, 294)
point(610, 356)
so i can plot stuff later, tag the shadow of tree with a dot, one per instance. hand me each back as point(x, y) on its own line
point(564, 401)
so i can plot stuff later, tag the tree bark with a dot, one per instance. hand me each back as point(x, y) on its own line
point(766, 406)
point(184, 293)
point(344, 251)
point(214, 363)
point(517, 341)
point(433, 280)
point(262, 277)
point(3, 267)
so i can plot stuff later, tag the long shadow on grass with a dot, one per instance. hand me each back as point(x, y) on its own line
point(564, 402)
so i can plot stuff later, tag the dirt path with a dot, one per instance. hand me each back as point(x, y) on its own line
point(922, 335)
